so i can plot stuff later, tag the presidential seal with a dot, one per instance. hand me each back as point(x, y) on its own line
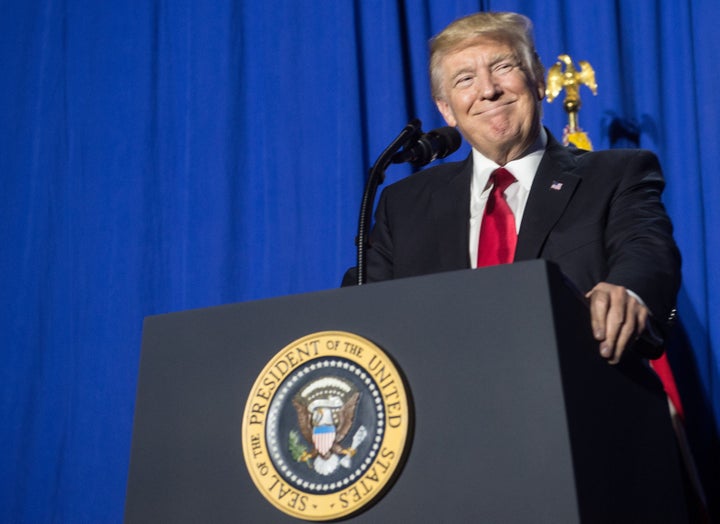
point(326, 425)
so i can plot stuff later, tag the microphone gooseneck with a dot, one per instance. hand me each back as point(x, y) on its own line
point(411, 145)
point(408, 135)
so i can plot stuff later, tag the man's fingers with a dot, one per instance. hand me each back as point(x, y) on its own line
point(599, 305)
point(607, 310)
point(617, 319)
point(642, 318)
point(627, 333)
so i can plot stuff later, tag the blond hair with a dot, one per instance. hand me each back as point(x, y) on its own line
point(512, 29)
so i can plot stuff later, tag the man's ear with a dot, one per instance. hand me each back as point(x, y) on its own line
point(540, 90)
point(446, 112)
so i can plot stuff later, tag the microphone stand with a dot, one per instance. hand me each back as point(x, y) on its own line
point(377, 176)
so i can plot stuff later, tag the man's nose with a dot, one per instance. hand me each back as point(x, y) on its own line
point(488, 87)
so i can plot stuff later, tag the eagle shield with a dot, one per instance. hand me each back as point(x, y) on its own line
point(323, 438)
point(326, 411)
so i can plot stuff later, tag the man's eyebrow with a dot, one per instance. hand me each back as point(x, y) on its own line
point(496, 59)
point(463, 70)
point(501, 58)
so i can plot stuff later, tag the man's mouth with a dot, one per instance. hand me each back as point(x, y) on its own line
point(490, 111)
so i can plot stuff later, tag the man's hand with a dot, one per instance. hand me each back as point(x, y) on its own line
point(617, 319)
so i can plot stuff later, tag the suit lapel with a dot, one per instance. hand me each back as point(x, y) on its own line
point(451, 213)
point(551, 191)
point(553, 186)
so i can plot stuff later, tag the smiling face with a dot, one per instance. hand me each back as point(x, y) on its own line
point(487, 95)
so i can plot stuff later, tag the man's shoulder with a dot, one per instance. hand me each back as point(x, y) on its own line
point(616, 160)
point(433, 177)
point(615, 154)
point(608, 155)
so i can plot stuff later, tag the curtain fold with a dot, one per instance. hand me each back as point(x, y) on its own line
point(160, 156)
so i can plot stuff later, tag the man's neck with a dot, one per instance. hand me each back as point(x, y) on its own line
point(537, 144)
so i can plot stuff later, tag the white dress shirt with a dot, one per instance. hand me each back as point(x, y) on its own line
point(516, 194)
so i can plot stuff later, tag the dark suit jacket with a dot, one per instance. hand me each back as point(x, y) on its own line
point(598, 215)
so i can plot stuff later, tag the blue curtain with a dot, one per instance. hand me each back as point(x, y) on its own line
point(164, 155)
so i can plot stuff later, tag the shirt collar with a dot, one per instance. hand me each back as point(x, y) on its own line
point(523, 168)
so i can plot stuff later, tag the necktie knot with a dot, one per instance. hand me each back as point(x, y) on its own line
point(502, 178)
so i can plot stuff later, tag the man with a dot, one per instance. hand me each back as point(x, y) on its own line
point(598, 215)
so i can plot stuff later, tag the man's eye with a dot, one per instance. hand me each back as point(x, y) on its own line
point(503, 68)
point(463, 80)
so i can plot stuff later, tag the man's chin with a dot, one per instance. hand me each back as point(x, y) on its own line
point(498, 145)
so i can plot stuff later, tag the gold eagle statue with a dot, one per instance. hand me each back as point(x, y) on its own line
point(570, 79)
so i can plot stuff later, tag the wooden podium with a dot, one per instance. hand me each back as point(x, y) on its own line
point(516, 417)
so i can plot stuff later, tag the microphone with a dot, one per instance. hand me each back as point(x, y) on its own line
point(432, 145)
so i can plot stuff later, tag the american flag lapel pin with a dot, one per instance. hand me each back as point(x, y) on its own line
point(556, 186)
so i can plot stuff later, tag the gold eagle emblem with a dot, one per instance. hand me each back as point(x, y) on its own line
point(325, 413)
point(570, 79)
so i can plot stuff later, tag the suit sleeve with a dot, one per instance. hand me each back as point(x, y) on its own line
point(379, 255)
point(641, 251)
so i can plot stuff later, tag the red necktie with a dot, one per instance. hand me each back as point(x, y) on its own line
point(498, 236)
